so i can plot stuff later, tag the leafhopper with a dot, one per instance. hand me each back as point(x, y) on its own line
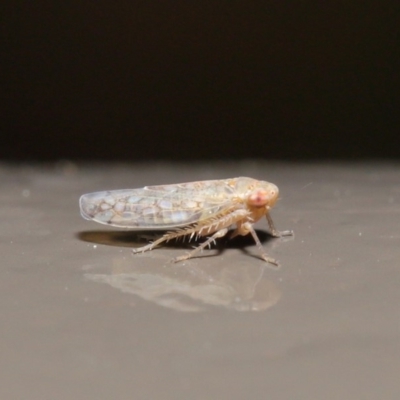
point(192, 209)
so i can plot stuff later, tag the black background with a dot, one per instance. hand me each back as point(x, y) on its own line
point(190, 80)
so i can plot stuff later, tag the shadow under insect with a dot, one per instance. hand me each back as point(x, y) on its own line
point(134, 239)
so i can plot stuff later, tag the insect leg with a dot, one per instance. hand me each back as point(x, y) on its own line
point(274, 232)
point(151, 245)
point(216, 225)
point(216, 235)
point(247, 227)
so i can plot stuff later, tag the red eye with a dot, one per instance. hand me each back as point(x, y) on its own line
point(258, 198)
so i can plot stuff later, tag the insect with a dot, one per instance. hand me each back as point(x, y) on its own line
point(192, 209)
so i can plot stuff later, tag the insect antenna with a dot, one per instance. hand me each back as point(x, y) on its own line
point(298, 190)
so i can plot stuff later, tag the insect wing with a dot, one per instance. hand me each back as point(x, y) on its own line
point(155, 207)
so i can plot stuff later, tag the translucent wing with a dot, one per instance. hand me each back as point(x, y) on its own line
point(158, 207)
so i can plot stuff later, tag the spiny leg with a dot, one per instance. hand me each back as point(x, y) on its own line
point(216, 223)
point(211, 239)
point(275, 232)
point(164, 238)
point(150, 246)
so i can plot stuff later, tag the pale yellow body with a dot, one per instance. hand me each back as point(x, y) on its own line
point(195, 208)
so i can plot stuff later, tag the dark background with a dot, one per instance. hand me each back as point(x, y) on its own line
point(189, 80)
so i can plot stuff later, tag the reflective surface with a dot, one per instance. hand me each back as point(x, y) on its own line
point(82, 317)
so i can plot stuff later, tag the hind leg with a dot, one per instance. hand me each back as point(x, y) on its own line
point(210, 240)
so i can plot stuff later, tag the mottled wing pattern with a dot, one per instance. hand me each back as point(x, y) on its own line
point(159, 207)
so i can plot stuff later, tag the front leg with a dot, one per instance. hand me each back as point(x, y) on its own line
point(245, 229)
point(274, 232)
